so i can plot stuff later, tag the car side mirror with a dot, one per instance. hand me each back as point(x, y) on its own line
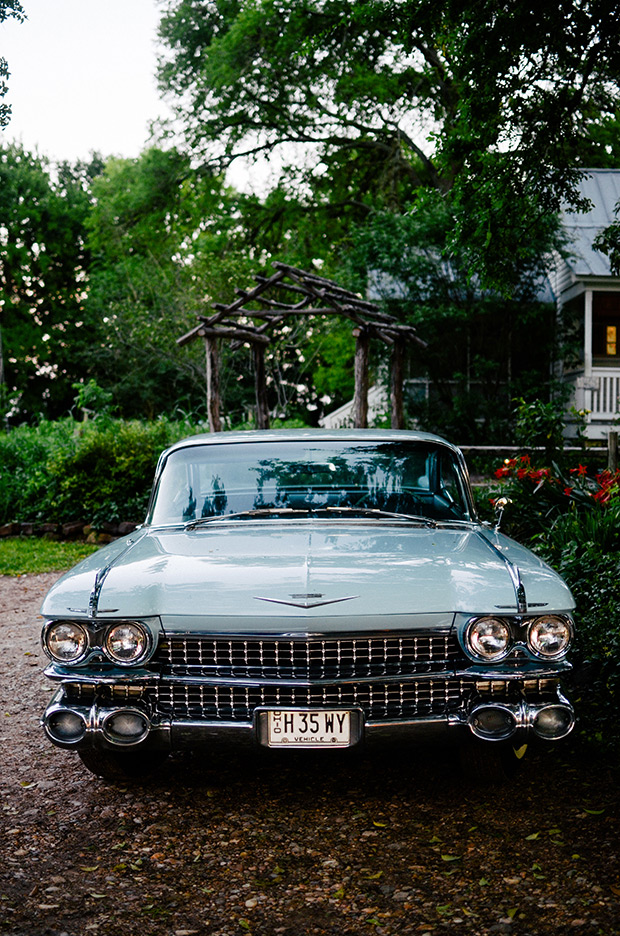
point(500, 506)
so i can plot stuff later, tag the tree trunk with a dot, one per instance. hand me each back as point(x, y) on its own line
point(262, 409)
point(360, 400)
point(396, 388)
point(213, 385)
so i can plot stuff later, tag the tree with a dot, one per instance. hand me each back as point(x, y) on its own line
point(165, 243)
point(43, 263)
point(494, 106)
point(14, 9)
point(483, 348)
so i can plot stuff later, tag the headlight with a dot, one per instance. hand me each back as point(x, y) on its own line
point(489, 638)
point(549, 636)
point(66, 641)
point(126, 643)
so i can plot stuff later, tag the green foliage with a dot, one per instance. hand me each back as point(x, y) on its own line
point(483, 348)
point(99, 471)
point(7, 8)
point(91, 398)
point(516, 96)
point(585, 548)
point(539, 424)
point(572, 520)
point(165, 241)
point(44, 328)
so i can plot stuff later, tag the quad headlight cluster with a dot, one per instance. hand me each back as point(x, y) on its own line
point(70, 642)
point(492, 639)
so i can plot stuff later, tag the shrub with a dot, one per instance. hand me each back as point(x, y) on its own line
point(98, 471)
point(572, 520)
point(24, 479)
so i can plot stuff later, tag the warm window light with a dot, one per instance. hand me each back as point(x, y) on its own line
point(611, 340)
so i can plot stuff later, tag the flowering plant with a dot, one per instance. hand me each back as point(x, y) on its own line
point(578, 485)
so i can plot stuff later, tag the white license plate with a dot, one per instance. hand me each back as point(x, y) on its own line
point(311, 728)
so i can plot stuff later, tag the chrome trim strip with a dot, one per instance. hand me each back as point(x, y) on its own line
point(307, 603)
point(513, 571)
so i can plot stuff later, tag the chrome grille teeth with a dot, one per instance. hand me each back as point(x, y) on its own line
point(379, 702)
point(311, 658)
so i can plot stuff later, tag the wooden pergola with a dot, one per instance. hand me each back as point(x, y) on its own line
point(289, 293)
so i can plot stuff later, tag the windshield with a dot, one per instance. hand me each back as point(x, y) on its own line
point(208, 481)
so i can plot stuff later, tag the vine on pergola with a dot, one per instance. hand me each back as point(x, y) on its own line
point(269, 303)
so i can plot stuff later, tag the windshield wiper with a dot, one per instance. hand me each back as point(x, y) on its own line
point(380, 514)
point(374, 512)
point(241, 514)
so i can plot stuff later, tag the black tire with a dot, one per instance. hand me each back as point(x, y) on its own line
point(122, 765)
point(490, 761)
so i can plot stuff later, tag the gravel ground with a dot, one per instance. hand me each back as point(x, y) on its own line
point(345, 843)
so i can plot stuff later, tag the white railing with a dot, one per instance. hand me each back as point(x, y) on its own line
point(599, 395)
point(605, 392)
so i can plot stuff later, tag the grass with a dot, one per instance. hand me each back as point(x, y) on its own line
point(22, 555)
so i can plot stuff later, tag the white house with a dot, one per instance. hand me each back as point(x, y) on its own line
point(589, 296)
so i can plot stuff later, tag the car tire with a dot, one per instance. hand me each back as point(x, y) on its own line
point(490, 761)
point(122, 765)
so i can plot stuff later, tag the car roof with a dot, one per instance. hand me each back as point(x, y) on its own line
point(307, 435)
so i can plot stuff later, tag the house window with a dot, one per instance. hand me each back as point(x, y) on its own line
point(606, 327)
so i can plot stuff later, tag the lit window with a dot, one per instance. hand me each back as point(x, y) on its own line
point(611, 340)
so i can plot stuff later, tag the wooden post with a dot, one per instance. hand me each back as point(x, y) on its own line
point(213, 385)
point(260, 381)
point(396, 386)
point(360, 400)
point(612, 451)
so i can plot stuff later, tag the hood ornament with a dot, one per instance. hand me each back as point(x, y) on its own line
point(311, 600)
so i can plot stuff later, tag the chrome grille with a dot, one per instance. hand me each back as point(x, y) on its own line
point(343, 657)
point(379, 701)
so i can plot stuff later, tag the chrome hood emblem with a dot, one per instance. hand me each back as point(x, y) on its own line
point(306, 600)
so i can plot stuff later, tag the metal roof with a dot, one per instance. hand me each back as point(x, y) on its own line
point(602, 188)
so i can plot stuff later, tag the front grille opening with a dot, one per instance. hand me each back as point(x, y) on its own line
point(312, 658)
point(378, 701)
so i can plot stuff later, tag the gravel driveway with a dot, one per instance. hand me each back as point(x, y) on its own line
point(291, 844)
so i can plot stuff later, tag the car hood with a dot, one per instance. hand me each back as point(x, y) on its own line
point(270, 574)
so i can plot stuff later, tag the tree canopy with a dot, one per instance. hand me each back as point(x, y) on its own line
point(495, 106)
point(8, 8)
point(43, 263)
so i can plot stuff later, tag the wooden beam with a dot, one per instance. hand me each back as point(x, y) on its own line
point(360, 399)
point(252, 293)
point(260, 383)
point(213, 384)
point(396, 386)
point(237, 334)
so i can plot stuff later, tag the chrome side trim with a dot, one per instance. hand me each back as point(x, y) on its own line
point(513, 571)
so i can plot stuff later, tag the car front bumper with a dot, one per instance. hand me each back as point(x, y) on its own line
point(134, 723)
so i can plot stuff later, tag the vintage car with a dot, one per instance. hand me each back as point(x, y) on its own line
point(307, 589)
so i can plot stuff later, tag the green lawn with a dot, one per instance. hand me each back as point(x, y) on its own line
point(21, 555)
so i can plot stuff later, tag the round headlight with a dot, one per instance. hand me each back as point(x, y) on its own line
point(489, 638)
point(66, 641)
point(549, 636)
point(126, 643)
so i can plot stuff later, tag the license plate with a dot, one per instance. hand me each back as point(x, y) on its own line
point(309, 729)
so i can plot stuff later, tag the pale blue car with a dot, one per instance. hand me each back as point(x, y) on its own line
point(307, 589)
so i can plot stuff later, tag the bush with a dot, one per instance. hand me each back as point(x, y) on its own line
point(24, 478)
point(98, 471)
point(572, 520)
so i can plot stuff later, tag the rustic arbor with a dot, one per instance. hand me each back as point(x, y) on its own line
point(287, 293)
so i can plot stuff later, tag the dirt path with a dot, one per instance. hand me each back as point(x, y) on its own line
point(290, 845)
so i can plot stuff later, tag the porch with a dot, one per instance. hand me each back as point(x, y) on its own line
point(598, 394)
